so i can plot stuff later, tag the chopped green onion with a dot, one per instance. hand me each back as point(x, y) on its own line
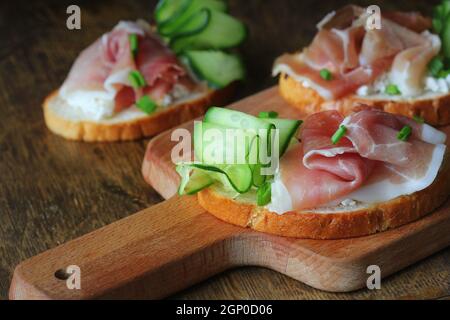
point(435, 66)
point(268, 114)
point(146, 104)
point(392, 90)
point(136, 79)
point(133, 44)
point(338, 134)
point(326, 74)
point(443, 73)
point(264, 194)
point(404, 134)
point(418, 119)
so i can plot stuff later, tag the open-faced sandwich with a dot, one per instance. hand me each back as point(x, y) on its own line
point(401, 67)
point(337, 177)
point(137, 80)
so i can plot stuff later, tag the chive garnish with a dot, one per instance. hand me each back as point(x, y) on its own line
point(443, 73)
point(404, 134)
point(418, 119)
point(146, 104)
point(268, 114)
point(133, 44)
point(392, 90)
point(326, 74)
point(264, 194)
point(136, 79)
point(338, 134)
point(435, 66)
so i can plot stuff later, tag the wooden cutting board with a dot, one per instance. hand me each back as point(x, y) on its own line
point(175, 244)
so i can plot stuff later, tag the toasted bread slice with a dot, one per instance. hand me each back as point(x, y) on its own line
point(434, 109)
point(333, 222)
point(129, 125)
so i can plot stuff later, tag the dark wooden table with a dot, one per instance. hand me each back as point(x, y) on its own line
point(52, 190)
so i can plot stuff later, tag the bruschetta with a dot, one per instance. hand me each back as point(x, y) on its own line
point(400, 67)
point(337, 176)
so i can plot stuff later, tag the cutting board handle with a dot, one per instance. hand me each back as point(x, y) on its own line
point(151, 254)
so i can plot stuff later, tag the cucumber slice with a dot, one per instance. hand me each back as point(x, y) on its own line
point(174, 26)
point(287, 129)
point(222, 32)
point(257, 178)
point(218, 68)
point(192, 183)
point(166, 10)
point(213, 148)
point(215, 144)
point(235, 119)
point(195, 24)
point(238, 175)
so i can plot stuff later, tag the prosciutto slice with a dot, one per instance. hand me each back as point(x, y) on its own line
point(369, 164)
point(357, 56)
point(103, 67)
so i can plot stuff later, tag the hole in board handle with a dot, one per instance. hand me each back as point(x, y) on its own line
point(61, 274)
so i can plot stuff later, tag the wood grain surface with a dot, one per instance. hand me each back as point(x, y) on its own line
point(176, 243)
point(52, 190)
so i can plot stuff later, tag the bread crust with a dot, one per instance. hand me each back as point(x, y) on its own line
point(137, 128)
point(311, 225)
point(434, 111)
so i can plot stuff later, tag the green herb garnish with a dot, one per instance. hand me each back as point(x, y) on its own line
point(136, 79)
point(146, 104)
point(134, 45)
point(404, 134)
point(338, 134)
point(268, 114)
point(435, 66)
point(443, 74)
point(326, 74)
point(418, 119)
point(264, 194)
point(392, 90)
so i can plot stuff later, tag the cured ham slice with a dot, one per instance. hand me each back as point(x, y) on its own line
point(411, 20)
point(356, 56)
point(388, 41)
point(340, 85)
point(410, 66)
point(101, 71)
point(336, 50)
point(369, 164)
point(342, 18)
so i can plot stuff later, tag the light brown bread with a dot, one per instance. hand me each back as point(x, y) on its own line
point(144, 126)
point(435, 111)
point(320, 224)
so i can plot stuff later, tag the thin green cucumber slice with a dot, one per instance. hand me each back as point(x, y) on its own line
point(238, 175)
point(257, 178)
point(218, 68)
point(166, 10)
point(192, 183)
point(222, 32)
point(194, 25)
point(216, 144)
point(176, 25)
point(287, 129)
point(235, 119)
